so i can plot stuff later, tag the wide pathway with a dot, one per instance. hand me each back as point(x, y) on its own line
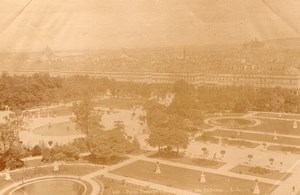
point(285, 188)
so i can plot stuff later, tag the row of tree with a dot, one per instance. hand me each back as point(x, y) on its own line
point(20, 92)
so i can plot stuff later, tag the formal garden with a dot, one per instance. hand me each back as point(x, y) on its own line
point(170, 132)
point(280, 126)
point(201, 161)
point(278, 115)
point(240, 135)
point(264, 172)
point(233, 122)
point(190, 180)
point(284, 149)
point(112, 186)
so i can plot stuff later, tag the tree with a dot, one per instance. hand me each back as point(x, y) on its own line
point(135, 145)
point(271, 160)
point(178, 139)
point(182, 88)
point(86, 119)
point(204, 151)
point(36, 150)
point(50, 143)
point(10, 129)
point(265, 146)
point(222, 152)
point(250, 156)
point(158, 137)
point(106, 146)
point(166, 137)
point(10, 159)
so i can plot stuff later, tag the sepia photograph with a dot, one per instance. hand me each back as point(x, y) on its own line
point(149, 97)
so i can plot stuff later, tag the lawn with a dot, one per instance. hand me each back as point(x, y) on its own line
point(239, 143)
point(112, 186)
point(280, 126)
point(188, 179)
point(275, 115)
point(205, 163)
point(256, 137)
point(77, 170)
point(207, 138)
point(284, 149)
point(273, 174)
point(57, 129)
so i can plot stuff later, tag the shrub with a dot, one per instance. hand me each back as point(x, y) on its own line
point(206, 137)
point(24, 152)
point(260, 170)
point(10, 159)
point(50, 143)
point(36, 151)
point(133, 147)
point(289, 149)
point(46, 154)
point(59, 156)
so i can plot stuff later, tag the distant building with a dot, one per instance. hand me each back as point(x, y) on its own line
point(210, 71)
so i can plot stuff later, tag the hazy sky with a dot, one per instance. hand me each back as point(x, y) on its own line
point(93, 24)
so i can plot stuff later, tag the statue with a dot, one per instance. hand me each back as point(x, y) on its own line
point(295, 126)
point(293, 191)
point(275, 135)
point(256, 188)
point(55, 167)
point(202, 178)
point(157, 170)
point(7, 175)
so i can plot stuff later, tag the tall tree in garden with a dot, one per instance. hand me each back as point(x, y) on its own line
point(107, 145)
point(10, 129)
point(86, 118)
point(158, 137)
point(166, 137)
point(184, 99)
point(179, 140)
